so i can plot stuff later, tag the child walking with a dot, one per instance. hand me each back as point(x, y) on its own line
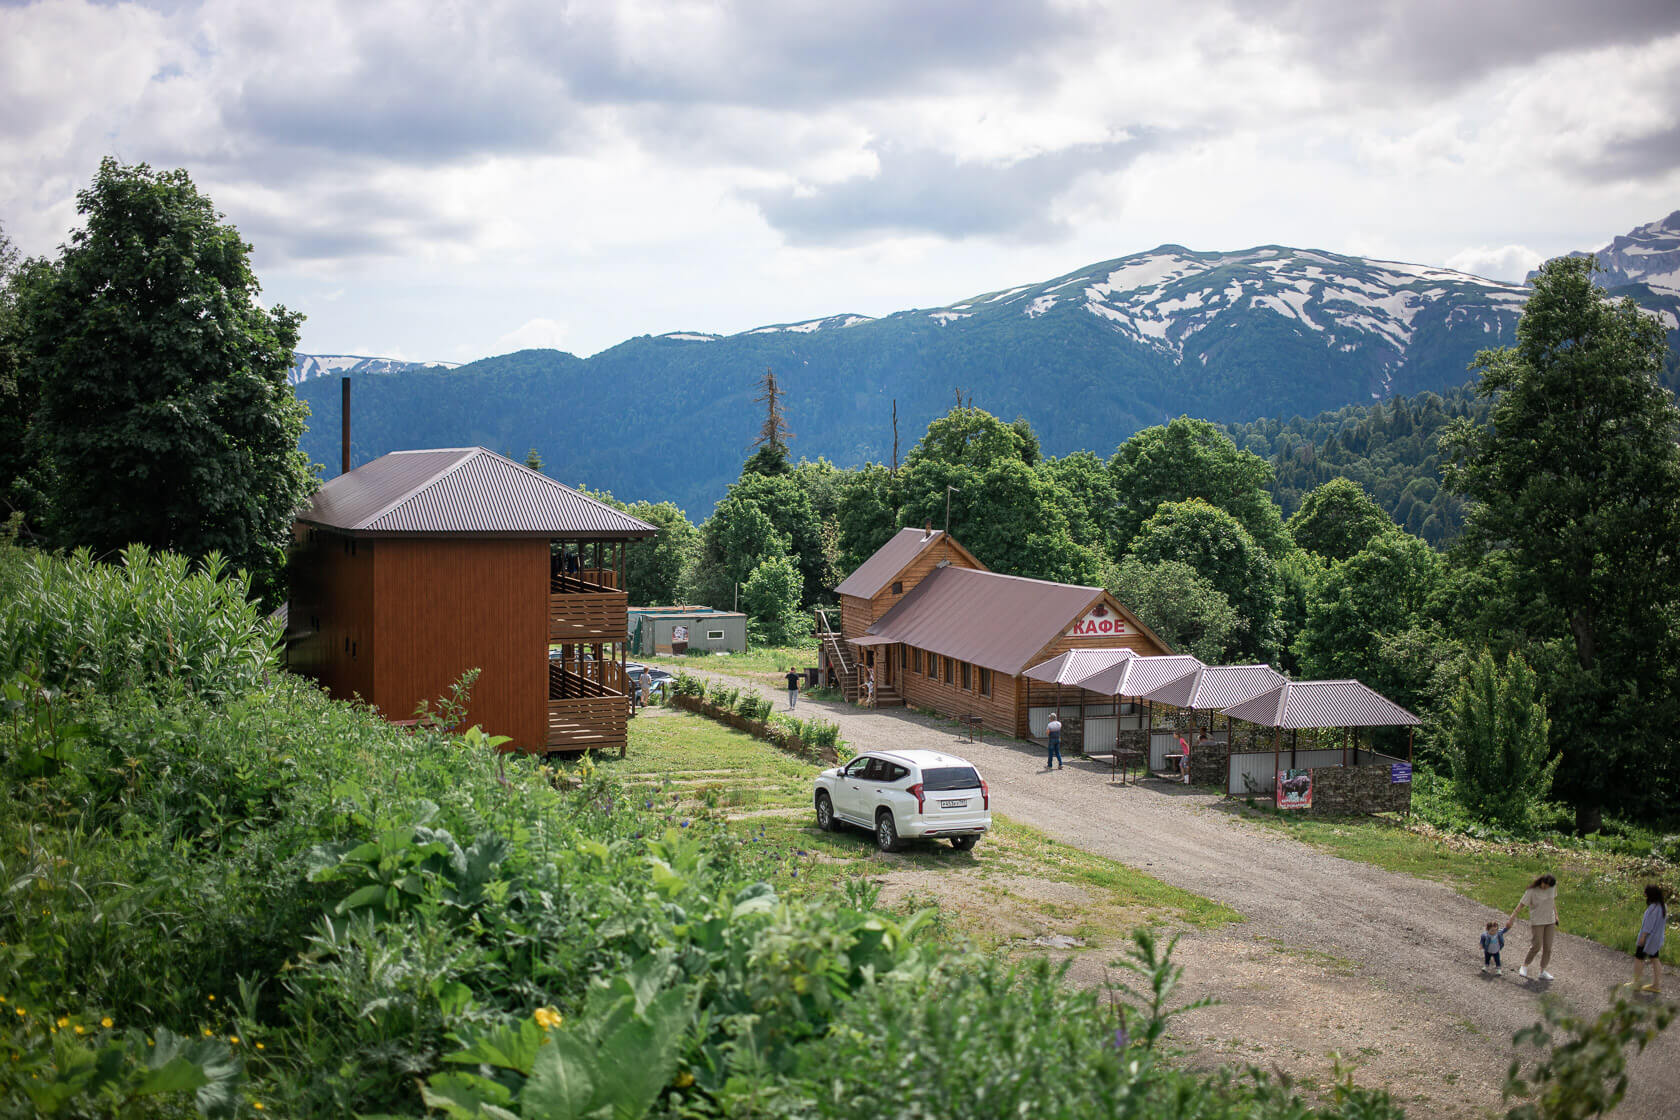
point(1493, 941)
point(1650, 942)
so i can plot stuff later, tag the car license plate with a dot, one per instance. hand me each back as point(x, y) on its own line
point(953, 804)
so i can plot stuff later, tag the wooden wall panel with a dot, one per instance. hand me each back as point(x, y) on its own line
point(913, 573)
point(332, 599)
point(583, 618)
point(854, 616)
point(997, 711)
point(445, 606)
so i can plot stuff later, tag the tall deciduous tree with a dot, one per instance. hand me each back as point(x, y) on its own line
point(1181, 607)
point(1577, 478)
point(1192, 459)
point(165, 410)
point(1219, 549)
point(1338, 519)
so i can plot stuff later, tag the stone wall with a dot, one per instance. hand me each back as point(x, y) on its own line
point(1346, 790)
point(1210, 765)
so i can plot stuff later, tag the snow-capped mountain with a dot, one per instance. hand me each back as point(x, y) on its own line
point(306, 366)
point(1648, 255)
point(1087, 358)
point(1185, 306)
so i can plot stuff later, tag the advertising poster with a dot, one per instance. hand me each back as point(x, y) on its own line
point(1294, 790)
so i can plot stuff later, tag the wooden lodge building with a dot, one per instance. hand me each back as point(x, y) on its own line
point(944, 633)
point(416, 567)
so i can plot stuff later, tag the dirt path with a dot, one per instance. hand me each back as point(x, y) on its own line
point(1334, 956)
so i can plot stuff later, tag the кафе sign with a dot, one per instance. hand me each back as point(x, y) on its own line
point(1100, 622)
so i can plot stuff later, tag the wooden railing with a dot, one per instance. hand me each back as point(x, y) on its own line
point(570, 679)
point(588, 723)
point(590, 581)
point(586, 618)
point(826, 633)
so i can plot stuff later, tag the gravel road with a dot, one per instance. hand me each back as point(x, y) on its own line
point(1377, 953)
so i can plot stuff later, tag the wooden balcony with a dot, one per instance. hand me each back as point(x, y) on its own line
point(584, 612)
point(587, 707)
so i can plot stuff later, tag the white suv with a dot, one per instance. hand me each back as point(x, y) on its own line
point(906, 795)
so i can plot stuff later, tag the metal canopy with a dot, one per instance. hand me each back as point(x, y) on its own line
point(1316, 704)
point(1076, 665)
point(1217, 686)
point(1135, 676)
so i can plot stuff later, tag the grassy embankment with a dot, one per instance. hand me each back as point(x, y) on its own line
point(697, 766)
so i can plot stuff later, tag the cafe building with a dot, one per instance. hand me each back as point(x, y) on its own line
point(942, 632)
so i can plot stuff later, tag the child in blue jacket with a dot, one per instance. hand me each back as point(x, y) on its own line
point(1493, 940)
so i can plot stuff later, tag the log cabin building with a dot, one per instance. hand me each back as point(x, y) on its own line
point(943, 632)
point(416, 567)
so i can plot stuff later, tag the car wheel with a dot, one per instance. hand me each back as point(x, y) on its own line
point(825, 813)
point(964, 843)
point(886, 832)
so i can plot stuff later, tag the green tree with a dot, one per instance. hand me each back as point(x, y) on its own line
point(1497, 738)
point(1216, 546)
point(867, 515)
point(1338, 519)
point(1378, 592)
point(1008, 510)
point(1193, 459)
point(733, 541)
point(1084, 478)
point(771, 597)
point(165, 410)
point(20, 478)
point(654, 569)
point(1185, 610)
point(1577, 478)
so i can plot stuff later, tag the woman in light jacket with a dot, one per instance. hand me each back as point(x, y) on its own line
point(1541, 900)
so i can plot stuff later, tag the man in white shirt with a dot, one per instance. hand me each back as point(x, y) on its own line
point(1053, 756)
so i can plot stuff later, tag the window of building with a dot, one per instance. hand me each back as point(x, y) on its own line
point(714, 635)
point(965, 677)
point(903, 657)
point(948, 671)
point(933, 666)
point(985, 682)
point(916, 660)
point(898, 587)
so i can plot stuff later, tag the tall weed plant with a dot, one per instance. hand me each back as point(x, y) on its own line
point(152, 622)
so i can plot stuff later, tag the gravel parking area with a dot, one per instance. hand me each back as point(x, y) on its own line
point(1334, 956)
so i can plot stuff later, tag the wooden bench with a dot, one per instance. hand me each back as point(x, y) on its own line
point(973, 727)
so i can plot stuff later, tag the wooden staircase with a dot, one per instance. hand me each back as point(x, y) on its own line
point(886, 696)
point(831, 643)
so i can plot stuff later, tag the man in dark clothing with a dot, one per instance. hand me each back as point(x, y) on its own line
point(793, 688)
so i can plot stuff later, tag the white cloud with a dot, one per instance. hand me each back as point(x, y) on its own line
point(609, 168)
point(533, 334)
point(1497, 262)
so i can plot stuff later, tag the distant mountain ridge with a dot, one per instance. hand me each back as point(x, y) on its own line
point(308, 366)
point(1087, 357)
point(1648, 255)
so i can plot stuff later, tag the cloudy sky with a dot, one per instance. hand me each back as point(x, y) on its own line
point(452, 180)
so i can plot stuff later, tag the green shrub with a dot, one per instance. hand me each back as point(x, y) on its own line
point(1496, 743)
point(151, 622)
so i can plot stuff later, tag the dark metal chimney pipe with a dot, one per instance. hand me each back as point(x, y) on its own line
point(344, 410)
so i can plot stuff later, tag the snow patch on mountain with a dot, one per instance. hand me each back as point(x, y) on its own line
point(1648, 255)
point(307, 366)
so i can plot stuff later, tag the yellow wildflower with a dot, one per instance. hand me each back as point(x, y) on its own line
point(684, 1080)
point(548, 1018)
point(233, 1038)
point(259, 1046)
point(21, 1011)
point(257, 1105)
point(212, 999)
point(207, 1032)
point(63, 1021)
point(80, 1029)
point(106, 1023)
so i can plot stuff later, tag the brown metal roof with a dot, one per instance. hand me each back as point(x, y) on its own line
point(1138, 675)
point(890, 559)
point(466, 490)
point(1217, 686)
point(1077, 664)
point(1298, 704)
point(995, 621)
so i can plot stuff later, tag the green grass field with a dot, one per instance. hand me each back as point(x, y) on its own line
point(696, 768)
point(1600, 896)
point(762, 664)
